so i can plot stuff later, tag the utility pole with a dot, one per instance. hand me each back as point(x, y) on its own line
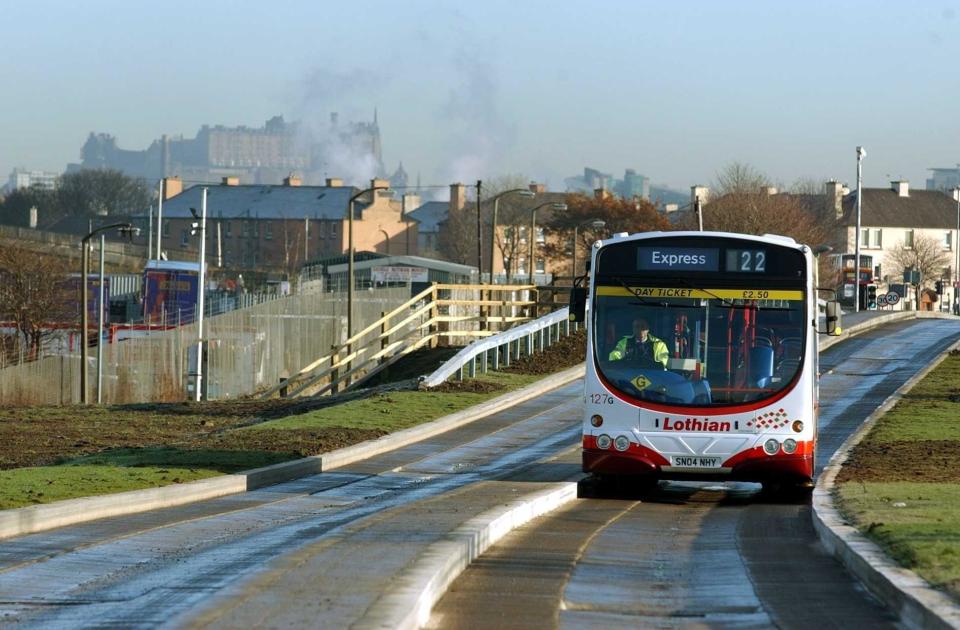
point(160, 219)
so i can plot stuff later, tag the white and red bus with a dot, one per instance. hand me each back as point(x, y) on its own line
point(701, 358)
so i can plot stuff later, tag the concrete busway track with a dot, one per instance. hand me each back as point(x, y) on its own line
point(342, 548)
point(698, 554)
point(317, 551)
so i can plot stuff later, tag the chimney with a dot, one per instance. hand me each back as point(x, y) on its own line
point(379, 183)
point(602, 193)
point(699, 191)
point(230, 180)
point(334, 182)
point(292, 180)
point(537, 188)
point(409, 202)
point(172, 186)
point(901, 187)
point(458, 196)
point(833, 199)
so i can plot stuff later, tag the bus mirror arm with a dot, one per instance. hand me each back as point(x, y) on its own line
point(832, 315)
point(578, 303)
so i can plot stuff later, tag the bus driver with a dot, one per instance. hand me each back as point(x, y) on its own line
point(641, 347)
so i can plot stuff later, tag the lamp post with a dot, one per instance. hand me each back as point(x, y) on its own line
point(84, 306)
point(596, 224)
point(523, 192)
point(533, 231)
point(201, 289)
point(350, 256)
point(956, 245)
point(861, 153)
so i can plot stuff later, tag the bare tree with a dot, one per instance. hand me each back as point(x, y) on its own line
point(618, 215)
point(926, 255)
point(34, 295)
point(91, 192)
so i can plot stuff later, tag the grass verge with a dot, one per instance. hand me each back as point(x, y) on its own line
point(54, 453)
point(901, 484)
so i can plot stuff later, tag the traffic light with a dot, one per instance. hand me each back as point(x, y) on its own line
point(871, 296)
point(939, 286)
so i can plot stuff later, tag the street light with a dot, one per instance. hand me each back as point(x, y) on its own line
point(85, 315)
point(861, 153)
point(523, 192)
point(956, 245)
point(200, 226)
point(533, 231)
point(597, 224)
point(350, 258)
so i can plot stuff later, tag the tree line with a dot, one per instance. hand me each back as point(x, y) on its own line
point(83, 193)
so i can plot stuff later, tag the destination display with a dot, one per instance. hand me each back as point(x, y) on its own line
point(701, 258)
point(677, 259)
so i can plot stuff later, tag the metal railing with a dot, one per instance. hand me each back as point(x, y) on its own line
point(498, 349)
point(441, 313)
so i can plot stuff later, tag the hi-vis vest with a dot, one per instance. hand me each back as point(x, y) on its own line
point(659, 349)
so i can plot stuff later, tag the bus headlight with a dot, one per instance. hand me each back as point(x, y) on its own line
point(622, 443)
point(789, 446)
point(797, 426)
point(596, 420)
point(604, 441)
point(771, 446)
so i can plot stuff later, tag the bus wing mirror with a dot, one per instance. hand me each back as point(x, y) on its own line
point(833, 318)
point(578, 304)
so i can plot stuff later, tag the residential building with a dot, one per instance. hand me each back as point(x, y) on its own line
point(23, 178)
point(892, 218)
point(944, 179)
point(280, 227)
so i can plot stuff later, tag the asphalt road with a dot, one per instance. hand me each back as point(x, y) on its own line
point(320, 551)
point(697, 555)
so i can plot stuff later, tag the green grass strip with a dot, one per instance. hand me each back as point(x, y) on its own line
point(397, 410)
point(917, 524)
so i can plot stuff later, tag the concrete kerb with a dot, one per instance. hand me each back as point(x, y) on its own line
point(36, 518)
point(916, 603)
point(420, 587)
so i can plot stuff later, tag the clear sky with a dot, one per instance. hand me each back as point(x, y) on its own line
point(674, 90)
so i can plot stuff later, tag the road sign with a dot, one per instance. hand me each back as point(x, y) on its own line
point(882, 299)
point(890, 298)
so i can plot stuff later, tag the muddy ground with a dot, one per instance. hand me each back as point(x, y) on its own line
point(930, 461)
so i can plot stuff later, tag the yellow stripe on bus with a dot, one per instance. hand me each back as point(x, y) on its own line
point(679, 292)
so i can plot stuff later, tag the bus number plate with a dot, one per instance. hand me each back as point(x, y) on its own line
point(695, 461)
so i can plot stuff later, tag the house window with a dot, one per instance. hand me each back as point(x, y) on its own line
point(321, 229)
point(877, 238)
point(521, 266)
point(523, 234)
point(256, 229)
point(268, 231)
point(333, 230)
point(244, 229)
point(908, 239)
point(541, 237)
point(184, 237)
point(541, 265)
point(227, 230)
point(948, 240)
point(865, 238)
